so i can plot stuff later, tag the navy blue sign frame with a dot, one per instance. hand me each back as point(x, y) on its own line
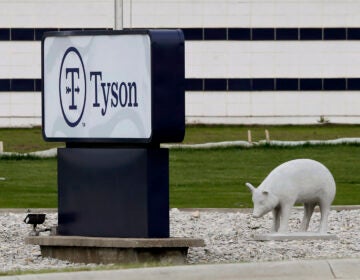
point(167, 86)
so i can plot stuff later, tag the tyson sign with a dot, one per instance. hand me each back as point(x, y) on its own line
point(113, 86)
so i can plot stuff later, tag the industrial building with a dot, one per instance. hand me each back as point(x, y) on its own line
point(246, 61)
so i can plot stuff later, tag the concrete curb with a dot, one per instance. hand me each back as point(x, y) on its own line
point(309, 269)
point(51, 153)
point(273, 143)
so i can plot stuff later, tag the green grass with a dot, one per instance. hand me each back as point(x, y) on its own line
point(29, 183)
point(24, 140)
point(30, 139)
point(217, 133)
point(215, 178)
point(198, 178)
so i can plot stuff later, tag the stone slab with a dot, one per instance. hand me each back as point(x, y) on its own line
point(345, 268)
point(83, 241)
point(294, 236)
point(115, 250)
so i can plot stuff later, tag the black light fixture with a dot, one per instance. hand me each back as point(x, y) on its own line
point(34, 220)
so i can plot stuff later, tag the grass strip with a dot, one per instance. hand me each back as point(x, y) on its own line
point(198, 178)
point(30, 139)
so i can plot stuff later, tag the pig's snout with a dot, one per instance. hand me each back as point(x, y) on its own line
point(256, 215)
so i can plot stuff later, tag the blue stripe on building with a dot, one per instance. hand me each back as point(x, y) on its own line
point(210, 34)
point(273, 84)
point(271, 34)
point(33, 34)
point(241, 84)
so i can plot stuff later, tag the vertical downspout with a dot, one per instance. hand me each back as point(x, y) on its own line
point(118, 15)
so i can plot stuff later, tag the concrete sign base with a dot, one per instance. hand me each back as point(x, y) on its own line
point(115, 250)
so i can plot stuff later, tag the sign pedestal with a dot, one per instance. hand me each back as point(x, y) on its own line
point(113, 192)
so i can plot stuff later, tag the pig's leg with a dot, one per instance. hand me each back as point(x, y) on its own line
point(325, 210)
point(308, 211)
point(276, 219)
point(284, 217)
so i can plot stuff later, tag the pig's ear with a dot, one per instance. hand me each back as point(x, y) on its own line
point(251, 187)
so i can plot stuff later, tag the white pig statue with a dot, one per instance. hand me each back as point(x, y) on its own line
point(297, 181)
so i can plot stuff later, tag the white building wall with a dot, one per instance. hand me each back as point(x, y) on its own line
point(20, 59)
point(263, 59)
point(286, 59)
point(56, 13)
point(272, 107)
point(205, 59)
point(234, 13)
point(20, 109)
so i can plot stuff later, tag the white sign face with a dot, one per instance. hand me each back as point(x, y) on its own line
point(97, 86)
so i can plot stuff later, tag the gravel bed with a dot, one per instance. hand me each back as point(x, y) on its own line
point(227, 237)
